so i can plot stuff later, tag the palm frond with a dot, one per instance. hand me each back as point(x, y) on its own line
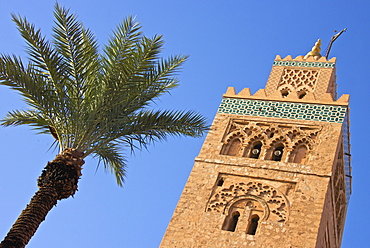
point(112, 160)
point(121, 44)
point(78, 49)
point(24, 117)
point(132, 96)
point(96, 103)
point(41, 53)
point(48, 69)
point(159, 124)
point(149, 126)
point(27, 81)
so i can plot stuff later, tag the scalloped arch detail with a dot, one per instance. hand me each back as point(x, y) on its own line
point(274, 202)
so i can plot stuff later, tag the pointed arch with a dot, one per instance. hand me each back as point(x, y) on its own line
point(300, 153)
point(233, 143)
point(232, 148)
point(277, 148)
point(254, 150)
point(277, 152)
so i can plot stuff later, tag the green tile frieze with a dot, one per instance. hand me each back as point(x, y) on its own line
point(287, 110)
point(304, 64)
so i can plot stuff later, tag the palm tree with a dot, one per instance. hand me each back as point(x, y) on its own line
point(93, 104)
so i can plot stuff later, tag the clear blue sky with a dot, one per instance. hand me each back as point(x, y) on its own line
point(230, 43)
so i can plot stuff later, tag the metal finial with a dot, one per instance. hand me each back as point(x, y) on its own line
point(315, 49)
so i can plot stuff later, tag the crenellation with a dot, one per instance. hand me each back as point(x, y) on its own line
point(326, 99)
point(301, 58)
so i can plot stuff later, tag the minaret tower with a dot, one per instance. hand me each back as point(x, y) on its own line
point(274, 170)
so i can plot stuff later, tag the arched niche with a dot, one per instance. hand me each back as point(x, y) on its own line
point(253, 224)
point(300, 154)
point(255, 150)
point(243, 214)
point(277, 152)
point(231, 221)
point(232, 147)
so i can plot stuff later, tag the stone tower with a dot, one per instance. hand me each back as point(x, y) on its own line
point(274, 170)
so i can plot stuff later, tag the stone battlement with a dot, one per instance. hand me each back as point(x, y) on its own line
point(326, 98)
point(306, 59)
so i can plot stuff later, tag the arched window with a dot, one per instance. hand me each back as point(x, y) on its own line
point(233, 221)
point(277, 154)
point(284, 93)
point(253, 224)
point(233, 147)
point(300, 154)
point(256, 150)
point(302, 94)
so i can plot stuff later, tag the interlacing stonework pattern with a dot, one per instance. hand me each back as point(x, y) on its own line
point(304, 64)
point(328, 87)
point(274, 79)
point(274, 203)
point(298, 80)
point(269, 134)
point(286, 110)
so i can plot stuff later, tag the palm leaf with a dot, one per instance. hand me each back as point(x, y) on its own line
point(112, 160)
point(96, 103)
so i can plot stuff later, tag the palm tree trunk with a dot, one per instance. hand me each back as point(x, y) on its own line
point(30, 219)
point(58, 181)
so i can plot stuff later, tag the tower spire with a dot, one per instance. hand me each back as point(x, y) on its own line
point(315, 49)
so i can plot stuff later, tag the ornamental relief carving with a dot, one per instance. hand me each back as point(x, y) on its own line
point(250, 195)
point(264, 140)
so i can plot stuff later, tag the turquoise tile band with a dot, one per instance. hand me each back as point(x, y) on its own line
point(304, 64)
point(287, 110)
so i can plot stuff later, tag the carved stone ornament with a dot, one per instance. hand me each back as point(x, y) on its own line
point(274, 203)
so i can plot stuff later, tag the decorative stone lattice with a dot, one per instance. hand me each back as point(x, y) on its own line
point(293, 67)
point(298, 80)
point(275, 204)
